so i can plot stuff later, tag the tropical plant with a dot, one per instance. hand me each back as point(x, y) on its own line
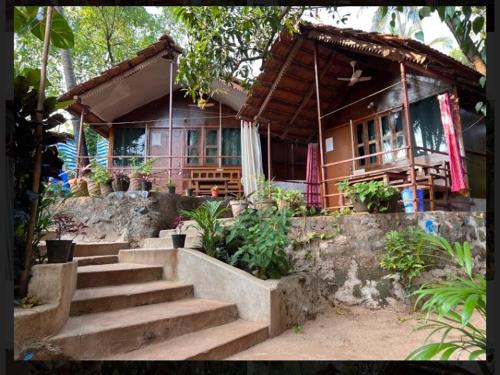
point(376, 195)
point(178, 224)
point(144, 167)
point(206, 216)
point(265, 189)
point(454, 301)
point(170, 183)
point(261, 238)
point(66, 223)
point(408, 252)
point(100, 175)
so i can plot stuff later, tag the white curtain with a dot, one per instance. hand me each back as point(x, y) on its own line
point(251, 158)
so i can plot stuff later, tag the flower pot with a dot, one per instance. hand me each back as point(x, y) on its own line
point(71, 252)
point(120, 184)
point(58, 251)
point(359, 206)
point(237, 207)
point(78, 187)
point(264, 204)
point(178, 240)
point(105, 189)
point(171, 189)
point(189, 192)
point(135, 182)
point(215, 193)
point(146, 185)
point(93, 188)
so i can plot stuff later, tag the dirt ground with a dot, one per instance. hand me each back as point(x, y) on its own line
point(348, 333)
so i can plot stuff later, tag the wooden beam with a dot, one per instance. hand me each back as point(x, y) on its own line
point(269, 164)
point(170, 132)
point(306, 98)
point(320, 125)
point(290, 57)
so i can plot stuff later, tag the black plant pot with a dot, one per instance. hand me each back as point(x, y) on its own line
point(71, 252)
point(171, 189)
point(120, 184)
point(178, 240)
point(146, 185)
point(189, 192)
point(58, 251)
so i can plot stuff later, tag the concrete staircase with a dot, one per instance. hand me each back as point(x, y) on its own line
point(127, 311)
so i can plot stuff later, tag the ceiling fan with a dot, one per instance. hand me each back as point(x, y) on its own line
point(202, 104)
point(356, 76)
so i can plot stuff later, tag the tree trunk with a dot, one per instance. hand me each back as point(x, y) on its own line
point(471, 53)
point(70, 81)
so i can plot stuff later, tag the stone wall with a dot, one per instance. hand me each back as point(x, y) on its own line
point(127, 217)
point(344, 266)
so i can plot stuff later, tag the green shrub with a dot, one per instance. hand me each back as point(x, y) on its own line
point(260, 238)
point(100, 175)
point(376, 195)
point(454, 302)
point(206, 216)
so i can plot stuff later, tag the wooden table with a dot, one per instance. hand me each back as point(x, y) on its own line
point(387, 176)
point(200, 184)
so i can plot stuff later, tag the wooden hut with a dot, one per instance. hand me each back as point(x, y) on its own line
point(371, 102)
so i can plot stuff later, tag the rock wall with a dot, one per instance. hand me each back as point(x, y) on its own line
point(127, 217)
point(344, 265)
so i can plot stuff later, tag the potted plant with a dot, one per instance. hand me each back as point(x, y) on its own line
point(215, 191)
point(171, 186)
point(263, 196)
point(373, 196)
point(347, 191)
point(61, 251)
point(291, 199)
point(139, 171)
point(102, 177)
point(92, 186)
point(120, 181)
point(146, 183)
point(77, 186)
point(178, 238)
point(239, 204)
point(189, 190)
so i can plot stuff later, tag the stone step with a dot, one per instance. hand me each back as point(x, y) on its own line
point(116, 274)
point(86, 249)
point(93, 300)
point(104, 334)
point(192, 242)
point(97, 259)
point(214, 343)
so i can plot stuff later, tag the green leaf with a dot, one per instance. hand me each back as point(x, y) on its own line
point(383, 11)
point(477, 24)
point(469, 307)
point(424, 12)
point(475, 354)
point(419, 35)
point(64, 104)
point(482, 81)
point(19, 20)
point(479, 106)
point(61, 35)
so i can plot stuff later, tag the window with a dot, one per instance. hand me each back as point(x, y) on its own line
point(128, 142)
point(231, 146)
point(366, 141)
point(427, 127)
point(193, 146)
point(211, 146)
point(392, 137)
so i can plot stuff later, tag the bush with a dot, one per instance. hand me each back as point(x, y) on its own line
point(376, 195)
point(256, 242)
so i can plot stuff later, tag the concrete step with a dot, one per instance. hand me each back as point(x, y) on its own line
point(97, 259)
point(214, 343)
point(192, 242)
point(86, 249)
point(116, 274)
point(93, 300)
point(104, 334)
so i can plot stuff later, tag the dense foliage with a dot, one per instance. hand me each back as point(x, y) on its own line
point(376, 195)
point(454, 302)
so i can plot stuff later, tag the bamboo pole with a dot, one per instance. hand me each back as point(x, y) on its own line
point(320, 126)
point(170, 132)
point(79, 145)
point(409, 140)
point(28, 250)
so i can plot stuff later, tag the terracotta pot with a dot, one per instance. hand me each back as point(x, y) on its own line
point(237, 207)
point(58, 251)
point(93, 188)
point(105, 189)
point(120, 184)
point(78, 187)
point(135, 182)
point(264, 204)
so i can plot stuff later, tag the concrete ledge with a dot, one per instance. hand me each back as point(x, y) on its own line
point(54, 284)
point(165, 257)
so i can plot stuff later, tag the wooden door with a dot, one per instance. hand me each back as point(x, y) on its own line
point(342, 150)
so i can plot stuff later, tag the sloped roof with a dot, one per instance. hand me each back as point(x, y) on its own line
point(284, 92)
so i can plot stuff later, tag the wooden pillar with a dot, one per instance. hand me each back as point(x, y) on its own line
point(320, 126)
point(409, 140)
point(170, 132)
point(220, 135)
point(269, 155)
point(79, 145)
point(111, 142)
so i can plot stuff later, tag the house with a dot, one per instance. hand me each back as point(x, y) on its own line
point(374, 103)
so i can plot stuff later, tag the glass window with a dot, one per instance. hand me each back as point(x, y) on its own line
point(371, 130)
point(425, 117)
point(361, 152)
point(359, 129)
point(373, 150)
point(386, 129)
point(128, 142)
point(211, 140)
point(231, 146)
point(193, 146)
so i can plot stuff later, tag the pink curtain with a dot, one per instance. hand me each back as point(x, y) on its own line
point(456, 164)
point(312, 176)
